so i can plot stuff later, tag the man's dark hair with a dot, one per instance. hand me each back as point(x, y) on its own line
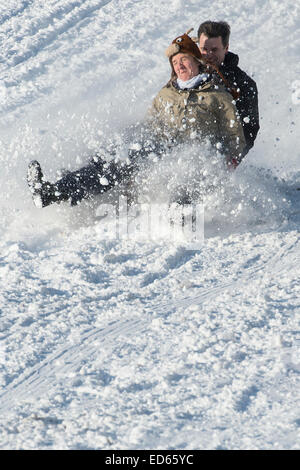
point(214, 29)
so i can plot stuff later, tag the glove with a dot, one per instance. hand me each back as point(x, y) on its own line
point(232, 163)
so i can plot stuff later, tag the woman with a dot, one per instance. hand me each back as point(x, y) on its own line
point(196, 104)
point(193, 105)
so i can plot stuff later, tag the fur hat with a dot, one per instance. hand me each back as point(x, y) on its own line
point(185, 45)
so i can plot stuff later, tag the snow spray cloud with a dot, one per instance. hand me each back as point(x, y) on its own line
point(185, 174)
point(170, 189)
point(187, 193)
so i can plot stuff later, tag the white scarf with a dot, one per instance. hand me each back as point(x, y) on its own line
point(192, 82)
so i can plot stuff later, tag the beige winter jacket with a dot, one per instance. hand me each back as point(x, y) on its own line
point(205, 112)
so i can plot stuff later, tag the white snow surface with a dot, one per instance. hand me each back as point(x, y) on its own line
point(115, 343)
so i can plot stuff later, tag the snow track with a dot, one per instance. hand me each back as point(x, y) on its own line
point(61, 366)
point(65, 362)
point(36, 39)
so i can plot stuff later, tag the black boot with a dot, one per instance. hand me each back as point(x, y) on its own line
point(43, 192)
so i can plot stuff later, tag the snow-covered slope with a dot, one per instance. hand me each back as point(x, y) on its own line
point(110, 343)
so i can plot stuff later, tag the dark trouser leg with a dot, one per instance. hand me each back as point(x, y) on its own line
point(94, 179)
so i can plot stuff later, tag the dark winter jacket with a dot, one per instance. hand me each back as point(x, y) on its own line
point(247, 103)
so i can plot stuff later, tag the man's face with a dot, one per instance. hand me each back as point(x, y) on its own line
point(212, 49)
point(185, 66)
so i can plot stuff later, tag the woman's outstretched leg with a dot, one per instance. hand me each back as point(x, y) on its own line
point(91, 180)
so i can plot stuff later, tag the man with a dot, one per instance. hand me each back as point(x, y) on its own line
point(193, 106)
point(213, 41)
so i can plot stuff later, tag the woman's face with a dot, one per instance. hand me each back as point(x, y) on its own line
point(185, 66)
